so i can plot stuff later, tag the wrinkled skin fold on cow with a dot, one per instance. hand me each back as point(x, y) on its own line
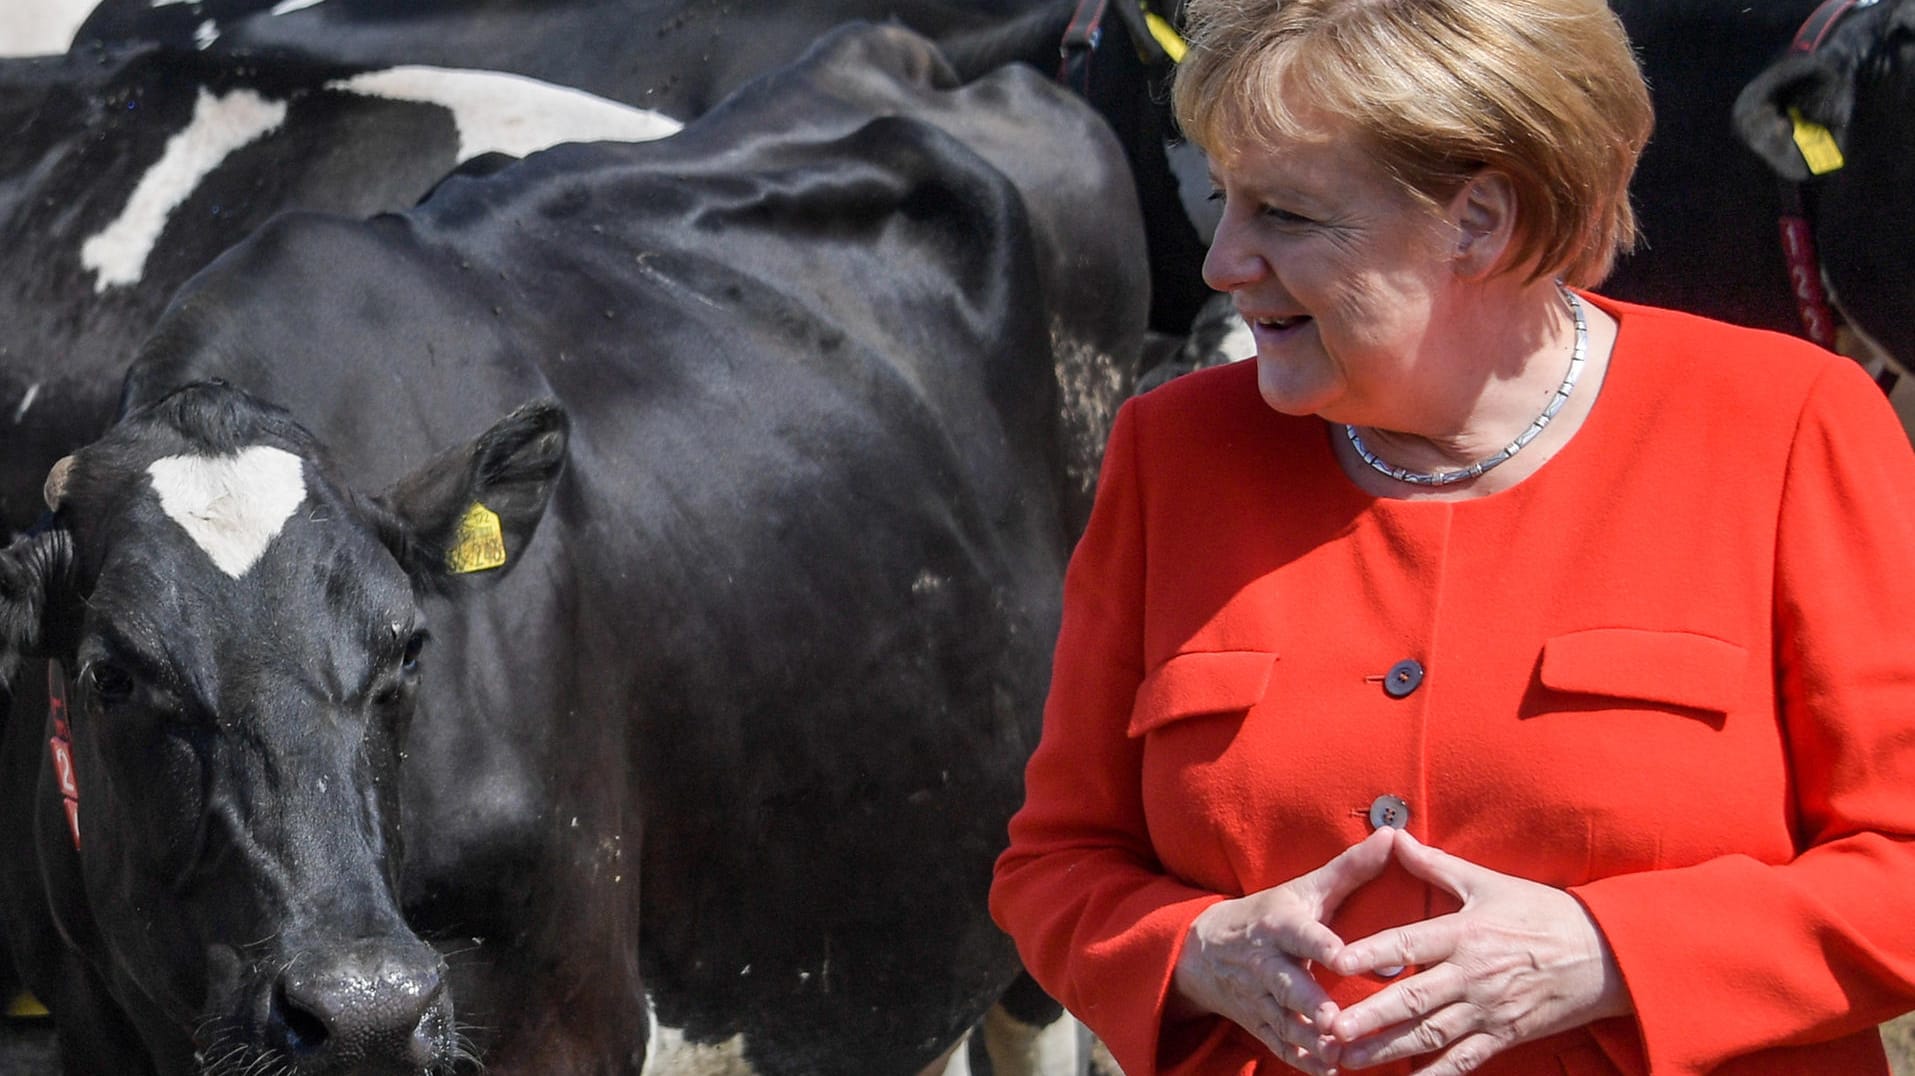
point(838, 361)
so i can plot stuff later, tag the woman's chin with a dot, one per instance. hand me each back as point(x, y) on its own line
point(1282, 392)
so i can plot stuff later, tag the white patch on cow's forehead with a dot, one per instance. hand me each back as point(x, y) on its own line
point(231, 506)
point(285, 6)
point(667, 1053)
point(498, 112)
point(220, 126)
point(206, 33)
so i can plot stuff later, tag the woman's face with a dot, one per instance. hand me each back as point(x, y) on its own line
point(1340, 274)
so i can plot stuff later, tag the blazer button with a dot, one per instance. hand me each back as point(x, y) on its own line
point(1389, 811)
point(1403, 678)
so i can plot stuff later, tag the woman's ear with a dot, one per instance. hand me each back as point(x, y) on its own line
point(1483, 212)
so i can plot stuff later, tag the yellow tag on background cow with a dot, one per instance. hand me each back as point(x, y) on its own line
point(1167, 36)
point(1816, 143)
point(480, 542)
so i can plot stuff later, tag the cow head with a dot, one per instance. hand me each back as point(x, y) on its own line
point(1835, 120)
point(244, 638)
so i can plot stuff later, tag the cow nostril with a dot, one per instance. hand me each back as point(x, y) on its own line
point(299, 1030)
point(370, 1006)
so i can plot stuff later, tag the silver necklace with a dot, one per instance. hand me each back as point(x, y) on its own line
point(1474, 470)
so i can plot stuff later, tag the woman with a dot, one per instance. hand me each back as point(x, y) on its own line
point(1489, 676)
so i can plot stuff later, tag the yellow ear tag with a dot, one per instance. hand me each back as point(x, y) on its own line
point(479, 543)
point(1167, 36)
point(1816, 143)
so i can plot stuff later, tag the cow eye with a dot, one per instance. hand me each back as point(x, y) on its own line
point(111, 684)
point(409, 661)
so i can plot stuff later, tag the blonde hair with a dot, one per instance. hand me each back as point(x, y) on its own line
point(1546, 92)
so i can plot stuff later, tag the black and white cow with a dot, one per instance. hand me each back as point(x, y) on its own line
point(173, 130)
point(241, 818)
point(124, 171)
point(681, 57)
point(1857, 82)
point(715, 776)
point(678, 57)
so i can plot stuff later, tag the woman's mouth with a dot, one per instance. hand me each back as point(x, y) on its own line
point(1279, 324)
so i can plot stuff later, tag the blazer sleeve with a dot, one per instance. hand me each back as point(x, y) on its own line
point(1097, 921)
point(1732, 955)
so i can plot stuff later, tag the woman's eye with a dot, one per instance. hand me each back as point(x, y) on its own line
point(110, 683)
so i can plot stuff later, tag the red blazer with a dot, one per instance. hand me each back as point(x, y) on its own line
point(1672, 671)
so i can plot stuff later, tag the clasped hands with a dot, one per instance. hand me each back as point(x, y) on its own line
point(1518, 961)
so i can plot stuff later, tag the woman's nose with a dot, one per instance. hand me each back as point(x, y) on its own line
point(1231, 263)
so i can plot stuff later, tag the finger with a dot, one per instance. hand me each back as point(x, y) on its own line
point(1470, 1053)
point(1302, 1060)
point(1295, 1029)
point(1360, 863)
point(1438, 1032)
point(1316, 1055)
point(1293, 990)
point(1426, 942)
point(1407, 1001)
point(1457, 875)
point(1307, 940)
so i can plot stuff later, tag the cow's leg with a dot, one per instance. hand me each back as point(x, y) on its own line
point(1017, 1048)
point(1027, 1033)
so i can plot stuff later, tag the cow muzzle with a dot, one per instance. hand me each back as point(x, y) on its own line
point(368, 1007)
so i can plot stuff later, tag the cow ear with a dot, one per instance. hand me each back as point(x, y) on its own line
point(1790, 93)
point(470, 512)
point(34, 571)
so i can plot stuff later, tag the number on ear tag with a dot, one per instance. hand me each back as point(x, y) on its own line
point(479, 543)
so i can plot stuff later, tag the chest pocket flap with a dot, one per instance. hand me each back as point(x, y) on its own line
point(1671, 667)
point(1189, 685)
